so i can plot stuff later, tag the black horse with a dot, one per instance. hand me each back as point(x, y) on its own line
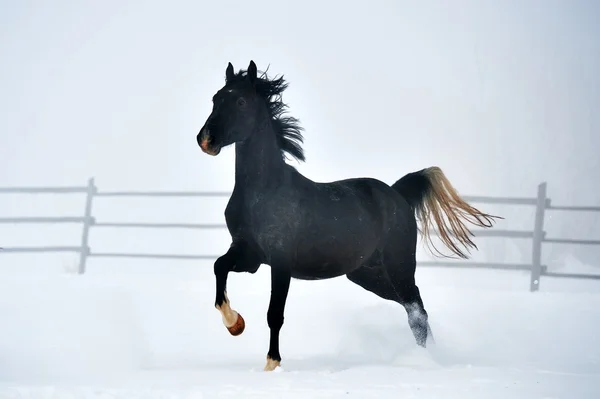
point(359, 227)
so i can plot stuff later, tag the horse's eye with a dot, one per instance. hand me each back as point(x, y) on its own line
point(241, 102)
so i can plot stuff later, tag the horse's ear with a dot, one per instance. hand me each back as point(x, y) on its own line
point(252, 71)
point(229, 72)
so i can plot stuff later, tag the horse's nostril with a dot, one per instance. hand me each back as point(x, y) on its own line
point(203, 135)
point(204, 142)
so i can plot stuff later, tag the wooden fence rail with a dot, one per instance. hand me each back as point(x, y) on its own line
point(541, 203)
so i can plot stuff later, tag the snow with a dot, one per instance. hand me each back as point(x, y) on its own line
point(149, 330)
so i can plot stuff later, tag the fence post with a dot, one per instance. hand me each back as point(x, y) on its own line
point(538, 237)
point(87, 222)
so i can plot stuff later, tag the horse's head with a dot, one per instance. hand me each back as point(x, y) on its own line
point(235, 112)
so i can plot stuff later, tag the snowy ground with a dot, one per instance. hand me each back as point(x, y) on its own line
point(151, 331)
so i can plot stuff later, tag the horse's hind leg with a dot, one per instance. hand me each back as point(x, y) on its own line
point(410, 297)
point(401, 271)
point(376, 279)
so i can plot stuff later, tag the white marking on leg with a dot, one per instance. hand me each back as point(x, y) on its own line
point(271, 364)
point(229, 315)
point(415, 313)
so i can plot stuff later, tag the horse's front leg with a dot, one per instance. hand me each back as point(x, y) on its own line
point(280, 284)
point(237, 259)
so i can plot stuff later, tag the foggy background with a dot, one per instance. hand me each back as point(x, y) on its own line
point(502, 95)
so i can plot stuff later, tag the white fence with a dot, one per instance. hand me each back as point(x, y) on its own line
point(537, 235)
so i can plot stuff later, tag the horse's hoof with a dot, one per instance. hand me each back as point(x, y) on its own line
point(271, 364)
point(238, 327)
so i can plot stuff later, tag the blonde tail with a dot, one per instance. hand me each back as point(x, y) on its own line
point(437, 204)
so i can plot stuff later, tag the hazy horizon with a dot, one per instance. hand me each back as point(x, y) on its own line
point(500, 95)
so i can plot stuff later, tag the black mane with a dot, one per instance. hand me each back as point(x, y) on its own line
point(287, 128)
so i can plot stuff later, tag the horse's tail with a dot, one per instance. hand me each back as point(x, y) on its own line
point(431, 196)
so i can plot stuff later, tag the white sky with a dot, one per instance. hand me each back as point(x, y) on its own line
point(500, 94)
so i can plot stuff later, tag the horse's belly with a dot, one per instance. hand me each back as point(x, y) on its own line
point(318, 263)
point(320, 271)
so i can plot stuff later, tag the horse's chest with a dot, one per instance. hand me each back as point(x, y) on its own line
point(273, 224)
point(269, 222)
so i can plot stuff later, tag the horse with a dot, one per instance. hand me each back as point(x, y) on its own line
point(361, 227)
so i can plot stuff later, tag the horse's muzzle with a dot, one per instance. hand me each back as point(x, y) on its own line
point(206, 143)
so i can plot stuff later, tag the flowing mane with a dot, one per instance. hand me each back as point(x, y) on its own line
point(287, 128)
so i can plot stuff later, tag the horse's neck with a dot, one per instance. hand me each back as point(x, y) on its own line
point(259, 164)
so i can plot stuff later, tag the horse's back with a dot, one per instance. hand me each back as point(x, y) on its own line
point(392, 209)
point(377, 195)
